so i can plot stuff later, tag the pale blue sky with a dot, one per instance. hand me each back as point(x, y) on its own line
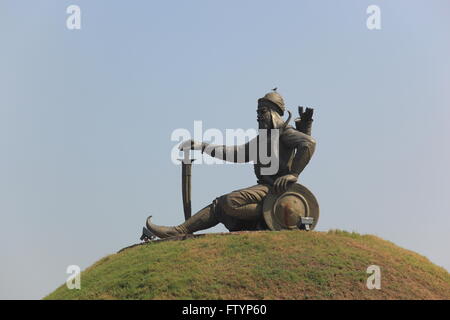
point(86, 118)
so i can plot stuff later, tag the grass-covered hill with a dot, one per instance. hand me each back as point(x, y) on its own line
point(262, 265)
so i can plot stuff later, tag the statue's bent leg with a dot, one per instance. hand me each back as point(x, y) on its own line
point(242, 209)
point(245, 204)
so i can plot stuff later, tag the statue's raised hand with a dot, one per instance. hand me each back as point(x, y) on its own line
point(190, 145)
point(282, 183)
point(308, 114)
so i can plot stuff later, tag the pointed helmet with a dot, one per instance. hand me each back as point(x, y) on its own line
point(275, 100)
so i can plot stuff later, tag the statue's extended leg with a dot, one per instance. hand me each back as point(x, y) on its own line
point(203, 219)
point(238, 210)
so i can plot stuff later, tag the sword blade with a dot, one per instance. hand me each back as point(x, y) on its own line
point(186, 169)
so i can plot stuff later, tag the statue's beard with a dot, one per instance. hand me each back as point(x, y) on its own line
point(274, 121)
point(265, 123)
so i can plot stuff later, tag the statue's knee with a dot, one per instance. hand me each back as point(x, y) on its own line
point(221, 209)
point(228, 202)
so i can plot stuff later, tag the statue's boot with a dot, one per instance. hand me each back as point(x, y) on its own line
point(203, 219)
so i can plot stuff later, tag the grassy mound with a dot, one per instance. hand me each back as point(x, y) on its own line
point(262, 265)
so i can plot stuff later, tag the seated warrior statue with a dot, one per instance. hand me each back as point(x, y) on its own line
point(243, 209)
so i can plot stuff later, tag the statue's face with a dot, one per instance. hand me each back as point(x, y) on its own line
point(264, 117)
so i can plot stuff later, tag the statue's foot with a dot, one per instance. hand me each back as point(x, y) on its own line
point(164, 232)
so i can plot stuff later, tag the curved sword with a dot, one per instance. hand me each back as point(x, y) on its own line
point(186, 173)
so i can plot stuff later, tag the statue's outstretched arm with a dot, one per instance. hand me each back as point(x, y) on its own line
point(239, 154)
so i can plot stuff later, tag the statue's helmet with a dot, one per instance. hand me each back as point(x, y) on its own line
point(284, 211)
point(275, 100)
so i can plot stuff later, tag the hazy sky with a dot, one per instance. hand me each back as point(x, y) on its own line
point(86, 118)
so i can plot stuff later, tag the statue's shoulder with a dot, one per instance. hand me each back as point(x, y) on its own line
point(292, 136)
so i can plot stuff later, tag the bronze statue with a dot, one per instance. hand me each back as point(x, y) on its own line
point(276, 202)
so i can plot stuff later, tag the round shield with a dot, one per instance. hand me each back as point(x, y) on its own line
point(284, 211)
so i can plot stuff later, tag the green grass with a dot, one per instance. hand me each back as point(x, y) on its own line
point(262, 265)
